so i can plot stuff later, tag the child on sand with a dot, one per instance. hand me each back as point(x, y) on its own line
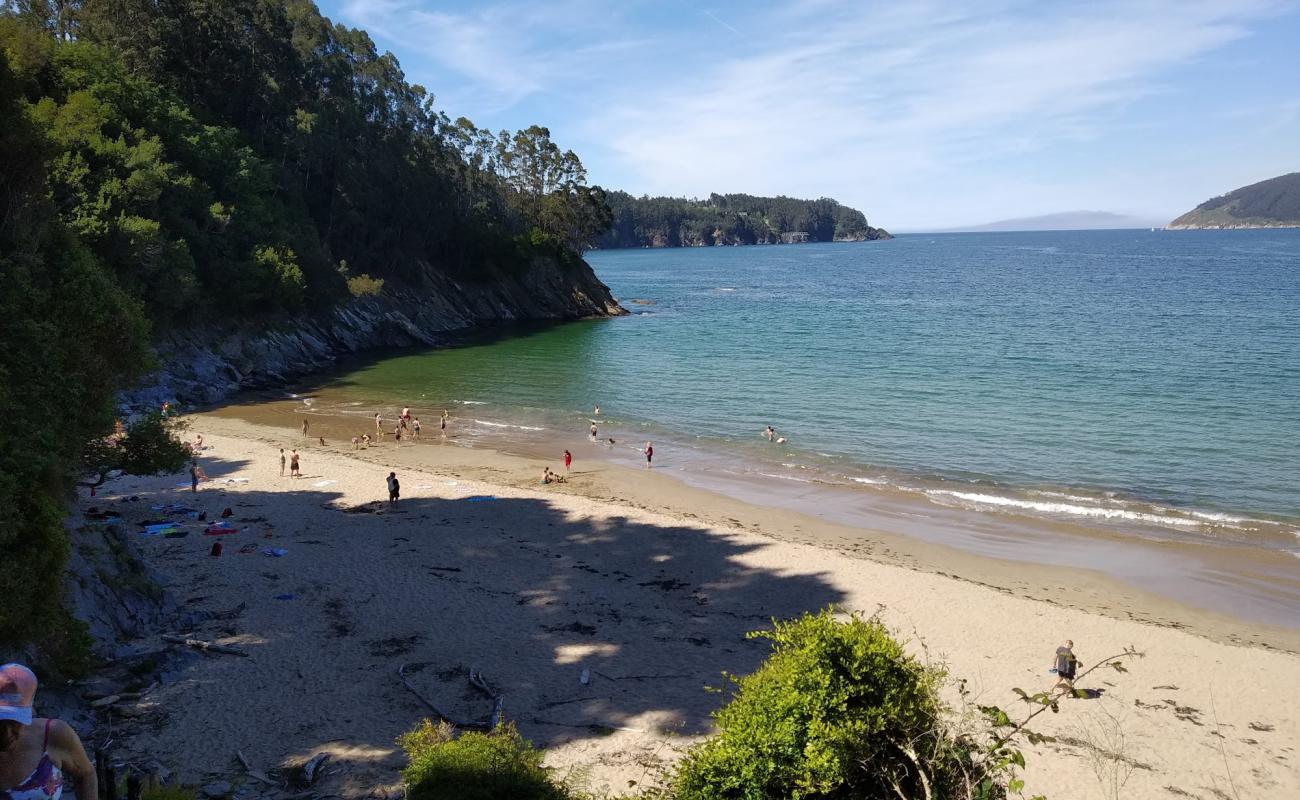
point(568, 460)
point(281, 462)
point(293, 465)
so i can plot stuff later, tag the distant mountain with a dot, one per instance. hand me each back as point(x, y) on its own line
point(1066, 221)
point(1274, 203)
point(731, 219)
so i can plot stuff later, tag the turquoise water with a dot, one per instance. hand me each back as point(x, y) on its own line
point(1121, 378)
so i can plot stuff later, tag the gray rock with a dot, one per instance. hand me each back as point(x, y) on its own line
point(208, 364)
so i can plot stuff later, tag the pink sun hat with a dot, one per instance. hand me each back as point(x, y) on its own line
point(17, 691)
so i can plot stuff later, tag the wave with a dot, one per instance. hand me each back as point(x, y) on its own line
point(1072, 509)
point(472, 402)
point(868, 481)
point(786, 477)
point(504, 425)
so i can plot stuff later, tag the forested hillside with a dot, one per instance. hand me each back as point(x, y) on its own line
point(730, 219)
point(1268, 204)
point(165, 165)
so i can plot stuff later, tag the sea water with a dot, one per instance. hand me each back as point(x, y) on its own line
point(1145, 381)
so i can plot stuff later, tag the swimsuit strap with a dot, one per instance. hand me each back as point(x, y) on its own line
point(45, 745)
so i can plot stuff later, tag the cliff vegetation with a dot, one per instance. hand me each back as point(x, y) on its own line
point(195, 163)
point(731, 219)
point(1274, 203)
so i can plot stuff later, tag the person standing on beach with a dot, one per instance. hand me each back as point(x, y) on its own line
point(568, 460)
point(293, 465)
point(649, 454)
point(1066, 665)
point(304, 426)
point(194, 475)
point(281, 462)
point(38, 757)
point(394, 488)
point(379, 425)
point(593, 431)
point(444, 422)
point(415, 428)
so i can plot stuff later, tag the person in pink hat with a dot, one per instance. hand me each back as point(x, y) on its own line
point(37, 756)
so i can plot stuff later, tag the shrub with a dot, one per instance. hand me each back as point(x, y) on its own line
point(838, 710)
point(363, 285)
point(474, 766)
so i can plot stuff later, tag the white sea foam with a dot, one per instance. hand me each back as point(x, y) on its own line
point(726, 288)
point(504, 425)
point(785, 477)
point(869, 481)
point(1072, 509)
point(472, 402)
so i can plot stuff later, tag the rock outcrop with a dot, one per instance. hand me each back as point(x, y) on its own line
point(207, 364)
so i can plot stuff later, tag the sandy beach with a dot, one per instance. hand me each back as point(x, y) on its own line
point(649, 586)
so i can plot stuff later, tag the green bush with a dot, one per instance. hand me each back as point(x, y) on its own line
point(834, 712)
point(475, 766)
point(363, 285)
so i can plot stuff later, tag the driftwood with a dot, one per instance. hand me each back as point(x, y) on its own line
point(311, 770)
point(476, 680)
point(207, 647)
point(252, 773)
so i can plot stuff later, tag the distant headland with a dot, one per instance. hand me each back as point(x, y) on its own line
point(1060, 221)
point(1274, 203)
point(731, 219)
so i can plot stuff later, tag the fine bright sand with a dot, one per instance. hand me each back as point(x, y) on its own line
point(650, 587)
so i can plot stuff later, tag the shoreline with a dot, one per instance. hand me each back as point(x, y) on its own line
point(482, 566)
point(1224, 584)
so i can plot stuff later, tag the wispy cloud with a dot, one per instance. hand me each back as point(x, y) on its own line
point(907, 106)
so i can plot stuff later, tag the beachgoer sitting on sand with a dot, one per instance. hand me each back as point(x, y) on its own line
point(322, 441)
point(365, 439)
point(198, 443)
point(1066, 665)
point(38, 756)
point(546, 475)
point(355, 442)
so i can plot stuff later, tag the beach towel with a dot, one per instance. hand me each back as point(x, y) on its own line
point(275, 552)
point(213, 530)
point(176, 534)
point(479, 498)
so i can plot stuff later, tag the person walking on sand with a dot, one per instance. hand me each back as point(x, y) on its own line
point(444, 422)
point(293, 465)
point(415, 428)
point(1066, 665)
point(379, 424)
point(568, 460)
point(649, 454)
point(394, 488)
point(281, 462)
point(304, 426)
point(38, 757)
point(593, 431)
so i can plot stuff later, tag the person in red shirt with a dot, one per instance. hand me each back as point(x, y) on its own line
point(568, 460)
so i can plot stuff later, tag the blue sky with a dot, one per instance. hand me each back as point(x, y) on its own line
point(920, 114)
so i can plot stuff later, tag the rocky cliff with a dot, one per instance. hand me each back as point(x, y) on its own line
point(210, 363)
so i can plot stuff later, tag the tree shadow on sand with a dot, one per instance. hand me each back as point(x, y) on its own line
point(519, 589)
